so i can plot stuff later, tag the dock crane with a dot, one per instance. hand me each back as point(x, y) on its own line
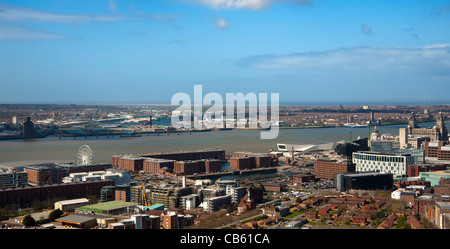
point(143, 189)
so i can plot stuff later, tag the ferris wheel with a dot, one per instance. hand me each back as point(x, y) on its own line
point(85, 155)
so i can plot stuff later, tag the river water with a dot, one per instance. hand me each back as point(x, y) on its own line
point(52, 148)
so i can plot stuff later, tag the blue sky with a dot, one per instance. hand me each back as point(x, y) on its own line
point(308, 51)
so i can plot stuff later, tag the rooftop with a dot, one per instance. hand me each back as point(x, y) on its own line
point(443, 205)
point(73, 201)
point(76, 218)
point(109, 205)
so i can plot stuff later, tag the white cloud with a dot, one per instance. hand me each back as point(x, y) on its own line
point(19, 14)
point(8, 32)
point(434, 59)
point(246, 4)
point(222, 23)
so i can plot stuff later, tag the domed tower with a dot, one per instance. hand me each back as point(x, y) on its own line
point(375, 135)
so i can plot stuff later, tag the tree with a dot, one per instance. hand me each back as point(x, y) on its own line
point(28, 221)
point(401, 223)
point(55, 214)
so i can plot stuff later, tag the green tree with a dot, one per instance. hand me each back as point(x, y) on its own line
point(55, 214)
point(401, 223)
point(28, 221)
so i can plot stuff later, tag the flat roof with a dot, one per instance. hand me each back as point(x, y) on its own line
point(439, 172)
point(382, 154)
point(73, 201)
point(19, 164)
point(443, 205)
point(76, 218)
point(109, 205)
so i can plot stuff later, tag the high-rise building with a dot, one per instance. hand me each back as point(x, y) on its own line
point(28, 129)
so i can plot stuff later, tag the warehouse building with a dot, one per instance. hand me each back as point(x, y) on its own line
point(71, 205)
point(78, 220)
point(110, 208)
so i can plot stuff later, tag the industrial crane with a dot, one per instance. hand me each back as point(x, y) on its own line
point(143, 189)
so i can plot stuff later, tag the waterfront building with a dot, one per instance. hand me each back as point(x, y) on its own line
point(414, 136)
point(394, 163)
point(44, 174)
point(13, 179)
point(241, 163)
point(157, 165)
point(28, 129)
point(189, 167)
point(165, 161)
point(24, 196)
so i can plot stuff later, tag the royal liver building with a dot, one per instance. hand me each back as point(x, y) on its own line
point(414, 132)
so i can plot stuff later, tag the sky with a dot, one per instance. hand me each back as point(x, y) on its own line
point(145, 51)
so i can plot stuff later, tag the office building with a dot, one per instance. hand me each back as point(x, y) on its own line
point(387, 146)
point(326, 169)
point(437, 150)
point(394, 163)
point(363, 181)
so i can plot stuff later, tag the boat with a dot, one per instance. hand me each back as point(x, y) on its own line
point(353, 125)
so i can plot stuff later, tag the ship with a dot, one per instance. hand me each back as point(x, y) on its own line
point(353, 125)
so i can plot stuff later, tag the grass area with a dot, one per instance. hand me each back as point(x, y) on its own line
point(293, 214)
